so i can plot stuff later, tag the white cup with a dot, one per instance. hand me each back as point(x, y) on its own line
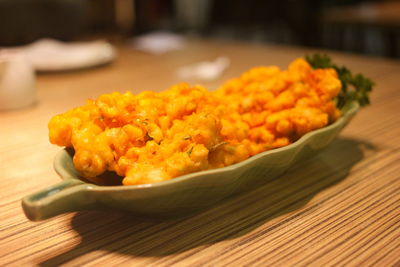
point(17, 80)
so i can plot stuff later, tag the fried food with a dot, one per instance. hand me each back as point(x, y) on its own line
point(153, 137)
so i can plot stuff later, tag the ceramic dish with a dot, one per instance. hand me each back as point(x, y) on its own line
point(181, 195)
point(49, 55)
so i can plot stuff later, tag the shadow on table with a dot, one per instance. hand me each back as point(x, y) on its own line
point(126, 234)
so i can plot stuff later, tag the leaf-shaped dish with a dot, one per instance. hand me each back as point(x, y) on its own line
point(183, 194)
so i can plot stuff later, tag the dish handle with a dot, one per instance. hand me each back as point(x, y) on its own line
point(68, 195)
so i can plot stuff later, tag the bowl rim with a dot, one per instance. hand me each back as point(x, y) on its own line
point(347, 112)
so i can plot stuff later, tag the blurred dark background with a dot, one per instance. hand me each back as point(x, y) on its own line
point(368, 27)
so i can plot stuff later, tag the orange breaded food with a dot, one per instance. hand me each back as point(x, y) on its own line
point(152, 137)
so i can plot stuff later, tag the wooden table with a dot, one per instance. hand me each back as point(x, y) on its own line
point(340, 207)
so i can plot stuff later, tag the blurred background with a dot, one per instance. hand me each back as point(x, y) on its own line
point(360, 26)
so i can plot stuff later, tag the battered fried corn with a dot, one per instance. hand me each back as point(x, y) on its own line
point(153, 137)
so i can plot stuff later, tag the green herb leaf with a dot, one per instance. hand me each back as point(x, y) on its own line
point(189, 152)
point(218, 145)
point(354, 87)
point(187, 137)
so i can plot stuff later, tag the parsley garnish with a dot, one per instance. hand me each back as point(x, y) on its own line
point(218, 145)
point(355, 87)
point(189, 152)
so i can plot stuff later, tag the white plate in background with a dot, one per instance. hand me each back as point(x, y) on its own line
point(53, 55)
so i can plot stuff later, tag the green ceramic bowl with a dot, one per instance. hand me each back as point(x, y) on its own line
point(181, 195)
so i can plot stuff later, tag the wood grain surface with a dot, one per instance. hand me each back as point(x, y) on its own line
point(341, 207)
